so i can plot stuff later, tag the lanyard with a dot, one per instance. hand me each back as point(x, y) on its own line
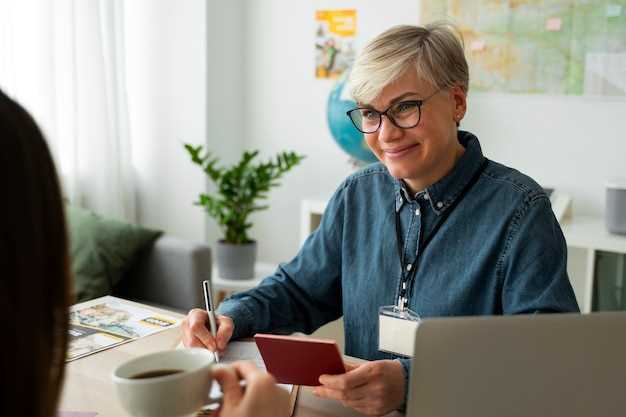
point(409, 276)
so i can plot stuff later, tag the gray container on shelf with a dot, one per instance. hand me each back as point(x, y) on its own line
point(616, 206)
point(235, 261)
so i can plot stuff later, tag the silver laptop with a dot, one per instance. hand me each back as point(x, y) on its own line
point(565, 365)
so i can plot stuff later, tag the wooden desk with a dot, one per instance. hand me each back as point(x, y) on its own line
point(88, 385)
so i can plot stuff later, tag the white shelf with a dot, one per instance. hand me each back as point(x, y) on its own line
point(310, 216)
point(261, 270)
point(585, 236)
point(591, 233)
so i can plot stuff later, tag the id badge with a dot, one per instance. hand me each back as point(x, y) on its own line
point(396, 330)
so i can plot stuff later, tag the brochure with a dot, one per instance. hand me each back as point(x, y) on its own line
point(107, 322)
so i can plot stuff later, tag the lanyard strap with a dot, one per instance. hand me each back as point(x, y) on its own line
point(409, 276)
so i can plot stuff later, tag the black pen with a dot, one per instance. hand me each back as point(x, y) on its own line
point(208, 302)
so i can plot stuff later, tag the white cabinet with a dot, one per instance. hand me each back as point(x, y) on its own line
point(586, 238)
point(593, 253)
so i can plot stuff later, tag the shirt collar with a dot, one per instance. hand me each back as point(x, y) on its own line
point(445, 191)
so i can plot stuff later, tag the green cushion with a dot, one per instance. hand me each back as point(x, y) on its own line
point(102, 250)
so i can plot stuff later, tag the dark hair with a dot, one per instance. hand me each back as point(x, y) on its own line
point(35, 285)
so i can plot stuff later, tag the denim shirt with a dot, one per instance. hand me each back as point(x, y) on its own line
point(500, 250)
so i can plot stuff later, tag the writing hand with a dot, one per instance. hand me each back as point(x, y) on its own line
point(197, 334)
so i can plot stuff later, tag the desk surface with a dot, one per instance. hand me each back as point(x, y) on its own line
point(88, 385)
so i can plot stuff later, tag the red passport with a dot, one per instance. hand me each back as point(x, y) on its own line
point(299, 360)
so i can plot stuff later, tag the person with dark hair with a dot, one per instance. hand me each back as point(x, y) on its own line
point(35, 288)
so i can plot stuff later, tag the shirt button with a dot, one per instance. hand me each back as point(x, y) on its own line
point(439, 204)
point(417, 211)
point(426, 197)
point(408, 267)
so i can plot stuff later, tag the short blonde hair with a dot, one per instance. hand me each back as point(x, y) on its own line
point(435, 51)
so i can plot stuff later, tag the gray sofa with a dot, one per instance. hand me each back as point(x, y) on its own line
point(168, 275)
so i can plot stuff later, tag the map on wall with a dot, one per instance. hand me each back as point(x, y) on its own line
point(540, 46)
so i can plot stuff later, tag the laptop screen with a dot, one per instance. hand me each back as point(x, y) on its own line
point(537, 365)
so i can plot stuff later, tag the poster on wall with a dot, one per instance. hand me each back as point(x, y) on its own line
point(334, 42)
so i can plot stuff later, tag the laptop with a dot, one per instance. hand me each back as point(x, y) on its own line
point(544, 365)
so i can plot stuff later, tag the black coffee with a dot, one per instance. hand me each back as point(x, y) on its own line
point(155, 373)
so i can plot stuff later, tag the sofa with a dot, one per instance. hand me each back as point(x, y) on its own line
point(168, 274)
point(113, 257)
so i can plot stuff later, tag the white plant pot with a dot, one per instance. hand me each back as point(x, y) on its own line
point(235, 261)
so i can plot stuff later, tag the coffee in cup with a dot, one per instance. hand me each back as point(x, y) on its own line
point(173, 383)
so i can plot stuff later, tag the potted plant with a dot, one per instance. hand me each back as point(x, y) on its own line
point(238, 189)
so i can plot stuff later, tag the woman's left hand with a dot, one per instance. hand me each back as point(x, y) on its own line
point(374, 388)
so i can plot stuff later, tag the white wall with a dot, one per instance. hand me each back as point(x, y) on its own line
point(167, 82)
point(185, 70)
point(572, 143)
point(225, 116)
point(569, 142)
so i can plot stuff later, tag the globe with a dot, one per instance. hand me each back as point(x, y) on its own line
point(341, 128)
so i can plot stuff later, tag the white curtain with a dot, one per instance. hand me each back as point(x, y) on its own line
point(64, 61)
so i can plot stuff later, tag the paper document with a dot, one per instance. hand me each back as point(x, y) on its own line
point(242, 351)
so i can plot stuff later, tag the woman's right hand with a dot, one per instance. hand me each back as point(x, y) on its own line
point(260, 398)
point(196, 331)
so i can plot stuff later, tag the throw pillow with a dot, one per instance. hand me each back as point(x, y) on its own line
point(102, 250)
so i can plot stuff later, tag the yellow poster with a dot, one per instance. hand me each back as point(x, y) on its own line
point(334, 42)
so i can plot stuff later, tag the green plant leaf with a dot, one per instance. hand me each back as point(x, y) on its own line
point(238, 187)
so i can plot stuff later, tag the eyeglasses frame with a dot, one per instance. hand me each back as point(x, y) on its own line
point(419, 103)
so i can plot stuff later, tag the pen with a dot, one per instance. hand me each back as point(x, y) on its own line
point(208, 302)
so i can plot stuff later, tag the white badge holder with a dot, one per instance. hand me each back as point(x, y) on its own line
point(396, 330)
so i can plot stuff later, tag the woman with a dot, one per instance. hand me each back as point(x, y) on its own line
point(35, 286)
point(434, 227)
point(35, 292)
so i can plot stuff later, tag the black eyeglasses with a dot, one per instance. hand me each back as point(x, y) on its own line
point(404, 114)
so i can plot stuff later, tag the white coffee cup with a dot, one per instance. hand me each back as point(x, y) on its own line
point(178, 394)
